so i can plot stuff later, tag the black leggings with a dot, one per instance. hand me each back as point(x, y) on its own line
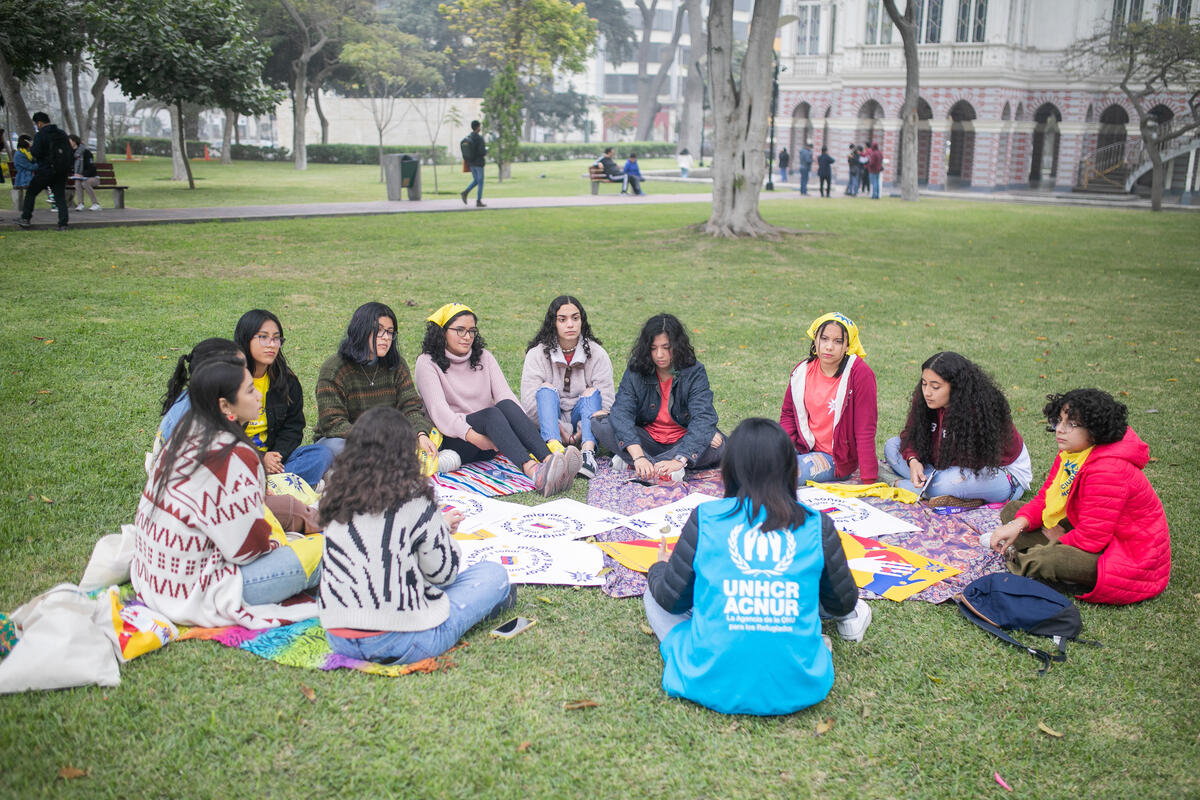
point(512, 431)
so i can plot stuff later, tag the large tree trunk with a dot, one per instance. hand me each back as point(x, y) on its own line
point(10, 88)
point(64, 96)
point(181, 170)
point(227, 136)
point(316, 96)
point(299, 112)
point(692, 116)
point(101, 144)
point(1150, 142)
point(649, 86)
point(912, 90)
point(740, 118)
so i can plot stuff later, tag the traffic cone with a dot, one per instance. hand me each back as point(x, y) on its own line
point(128, 152)
point(206, 158)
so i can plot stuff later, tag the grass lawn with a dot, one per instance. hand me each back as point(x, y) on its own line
point(251, 183)
point(1047, 299)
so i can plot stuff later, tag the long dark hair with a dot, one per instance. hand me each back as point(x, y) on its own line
point(977, 423)
point(682, 354)
point(204, 422)
point(358, 345)
point(378, 470)
point(278, 372)
point(208, 350)
point(812, 348)
point(434, 344)
point(759, 469)
point(547, 335)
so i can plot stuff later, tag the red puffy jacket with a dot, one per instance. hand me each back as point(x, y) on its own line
point(1114, 512)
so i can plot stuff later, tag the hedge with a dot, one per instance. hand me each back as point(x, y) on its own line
point(369, 153)
point(161, 146)
point(563, 151)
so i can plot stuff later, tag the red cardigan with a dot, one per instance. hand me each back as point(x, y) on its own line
point(854, 430)
point(1114, 512)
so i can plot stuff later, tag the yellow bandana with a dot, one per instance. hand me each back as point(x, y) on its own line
point(443, 314)
point(1069, 464)
point(855, 347)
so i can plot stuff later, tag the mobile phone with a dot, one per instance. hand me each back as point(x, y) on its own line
point(514, 626)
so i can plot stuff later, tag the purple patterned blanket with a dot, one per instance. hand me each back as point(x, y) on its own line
point(952, 539)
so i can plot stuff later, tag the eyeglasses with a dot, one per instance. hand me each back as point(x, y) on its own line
point(469, 333)
point(265, 339)
point(385, 333)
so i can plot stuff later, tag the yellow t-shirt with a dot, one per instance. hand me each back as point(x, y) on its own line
point(256, 430)
point(1055, 509)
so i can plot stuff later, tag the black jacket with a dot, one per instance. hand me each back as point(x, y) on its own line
point(610, 167)
point(52, 151)
point(478, 150)
point(671, 582)
point(690, 404)
point(285, 417)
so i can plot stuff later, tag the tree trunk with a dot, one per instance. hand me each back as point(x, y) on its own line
point(177, 114)
point(912, 90)
point(96, 109)
point(64, 96)
point(101, 150)
point(650, 87)
point(740, 118)
point(179, 166)
point(1150, 142)
point(299, 112)
point(227, 136)
point(316, 96)
point(692, 116)
point(10, 88)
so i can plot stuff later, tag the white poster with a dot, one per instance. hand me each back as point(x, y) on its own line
point(851, 515)
point(478, 511)
point(559, 519)
point(673, 516)
point(549, 562)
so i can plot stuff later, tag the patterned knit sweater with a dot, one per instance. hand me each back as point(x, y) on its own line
point(191, 541)
point(346, 390)
point(382, 571)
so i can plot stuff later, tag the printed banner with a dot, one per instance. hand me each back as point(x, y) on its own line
point(549, 562)
point(478, 511)
point(673, 516)
point(890, 571)
point(851, 515)
point(559, 519)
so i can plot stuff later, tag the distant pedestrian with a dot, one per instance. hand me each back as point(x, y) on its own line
point(474, 152)
point(23, 163)
point(864, 181)
point(852, 164)
point(784, 161)
point(684, 159)
point(824, 171)
point(805, 161)
point(874, 168)
point(55, 158)
point(633, 175)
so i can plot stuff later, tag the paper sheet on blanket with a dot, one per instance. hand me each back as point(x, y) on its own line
point(890, 571)
point(851, 515)
point(478, 511)
point(563, 518)
point(559, 562)
point(637, 554)
point(673, 515)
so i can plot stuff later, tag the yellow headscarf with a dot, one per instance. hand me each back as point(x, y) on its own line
point(444, 314)
point(853, 346)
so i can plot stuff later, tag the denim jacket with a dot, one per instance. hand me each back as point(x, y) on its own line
point(690, 406)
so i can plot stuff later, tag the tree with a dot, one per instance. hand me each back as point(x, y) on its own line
point(557, 111)
point(1147, 59)
point(740, 113)
point(33, 37)
point(199, 51)
point(650, 86)
point(502, 114)
point(691, 117)
point(907, 26)
point(613, 24)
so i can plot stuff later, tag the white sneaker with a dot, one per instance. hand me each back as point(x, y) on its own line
point(619, 465)
point(853, 626)
point(985, 540)
point(588, 468)
point(677, 476)
point(448, 461)
point(94, 207)
point(79, 207)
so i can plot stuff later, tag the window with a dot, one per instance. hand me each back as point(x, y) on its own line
point(879, 24)
point(972, 20)
point(1179, 10)
point(1126, 11)
point(808, 29)
point(929, 21)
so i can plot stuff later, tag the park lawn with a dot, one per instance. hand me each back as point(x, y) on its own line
point(1047, 299)
point(252, 183)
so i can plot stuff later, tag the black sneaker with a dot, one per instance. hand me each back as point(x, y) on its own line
point(24, 223)
point(61, 227)
point(588, 468)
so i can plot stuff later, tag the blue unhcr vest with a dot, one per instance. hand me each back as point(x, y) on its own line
point(753, 644)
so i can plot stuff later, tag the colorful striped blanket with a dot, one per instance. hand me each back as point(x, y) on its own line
point(494, 478)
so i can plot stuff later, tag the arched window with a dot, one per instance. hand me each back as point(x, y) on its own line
point(962, 145)
point(1112, 126)
point(868, 115)
point(1043, 168)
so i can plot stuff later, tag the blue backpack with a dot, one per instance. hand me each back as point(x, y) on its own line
point(1002, 602)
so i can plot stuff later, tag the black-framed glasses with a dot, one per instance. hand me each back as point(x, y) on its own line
point(266, 339)
point(385, 333)
point(469, 333)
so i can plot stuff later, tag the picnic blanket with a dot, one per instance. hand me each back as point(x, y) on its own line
point(494, 478)
point(952, 539)
point(303, 644)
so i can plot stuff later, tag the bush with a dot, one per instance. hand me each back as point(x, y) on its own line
point(369, 153)
point(152, 146)
point(563, 151)
point(250, 152)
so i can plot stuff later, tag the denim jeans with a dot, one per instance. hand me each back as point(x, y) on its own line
point(476, 180)
point(875, 185)
point(655, 451)
point(310, 462)
point(275, 577)
point(334, 444)
point(474, 595)
point(852, 185)
point(806, 464)
point(581, 414)
point(990, 486)
point(783, 174)
point(803, 182)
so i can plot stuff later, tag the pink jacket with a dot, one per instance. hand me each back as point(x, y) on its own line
point(1115, 513)
point(449, 396)
point(853, 426)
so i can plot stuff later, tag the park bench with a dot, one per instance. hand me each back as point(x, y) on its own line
point(108, 180)
point(598, 176)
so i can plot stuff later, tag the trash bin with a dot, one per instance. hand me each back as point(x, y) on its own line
point(402, 171)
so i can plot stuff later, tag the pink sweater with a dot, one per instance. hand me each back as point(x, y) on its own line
point(449, 396)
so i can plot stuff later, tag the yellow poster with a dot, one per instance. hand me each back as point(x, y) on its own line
point(889, 571)
point(638, 554)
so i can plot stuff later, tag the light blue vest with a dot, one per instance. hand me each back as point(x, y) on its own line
point(753, 644)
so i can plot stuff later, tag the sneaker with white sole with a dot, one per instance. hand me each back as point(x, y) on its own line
point(853, 626)
point(551, 477)
point(619, 465)
point(94, 207)
point(588, 468)
point(676, 476)
point(574, 460)
point(79, 207)
point(448, 461)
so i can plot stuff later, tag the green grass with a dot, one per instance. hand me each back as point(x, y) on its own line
point(250, 183)
point(1046, 298)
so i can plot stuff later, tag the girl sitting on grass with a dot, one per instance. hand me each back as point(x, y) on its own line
point(829, 408)
point(567, 379)
point(472, 405)
point(392, 590)
point(738, 605)
point(959, 445)
point(1096, 527)
point(175, 402)
point(206, 553)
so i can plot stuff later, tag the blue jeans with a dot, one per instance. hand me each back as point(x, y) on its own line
point(655, 451)
point(474, 595)
point(334, 444)
point(683, 172)
point(476, 180)
point(783, 174)
point(875, 185)
point(659, 619)
point(310, 462)
point(806, 464)
point(275, 577)
point(852, 186)
point(803, 182)
point(581, 414)
point(990, 486)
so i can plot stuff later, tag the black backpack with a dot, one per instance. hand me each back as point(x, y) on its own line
point(468, 152)
point(62, 157)
point(1002, 602)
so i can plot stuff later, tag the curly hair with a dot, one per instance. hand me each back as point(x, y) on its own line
point(279, 372)
point(812, 348)
point(434, 344)
point(1104, 417)
point(977, 424)
point(682, 354)
point(378, 471)
point(547, 335)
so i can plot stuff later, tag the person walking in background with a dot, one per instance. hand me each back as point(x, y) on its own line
point(684, 159)
point(784, 161)
point(804, 162)
point(474, 154)
point(874, 167)
point(824, 171)
point(52, 151)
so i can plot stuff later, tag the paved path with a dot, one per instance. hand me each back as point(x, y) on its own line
point(45, 219)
